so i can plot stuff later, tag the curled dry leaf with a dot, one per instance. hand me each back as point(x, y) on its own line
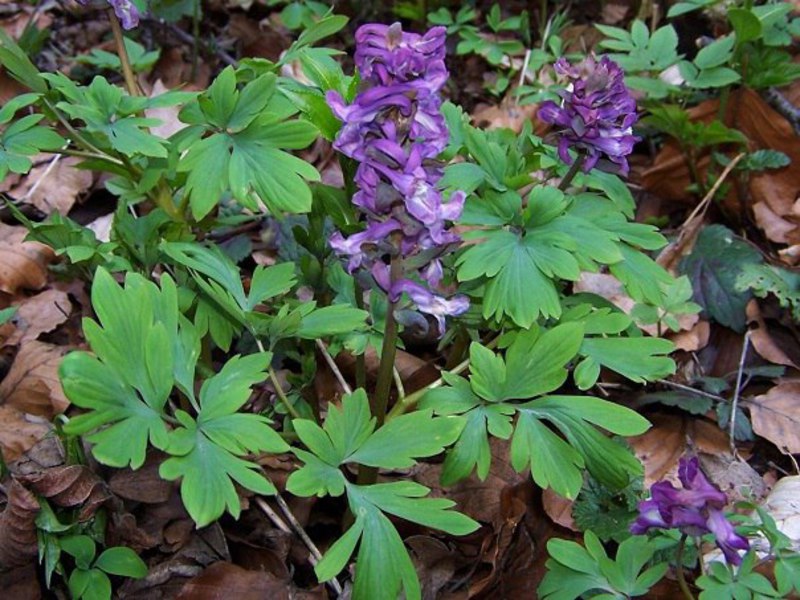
point(18, 542)
point(39, 314)
point(32, 384)
point(19, 432)
point(69, 486)
point(776, 416)
point(23, 265)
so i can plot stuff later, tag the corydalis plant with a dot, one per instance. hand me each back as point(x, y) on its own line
point(395, 130)
point(596, 113)
point(695, 510)
point(126, 11)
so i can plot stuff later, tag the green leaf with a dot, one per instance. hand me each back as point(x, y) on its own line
point(516, 286)
point(81, 548)
point(713, 267)
point(268, 282)
point(409, 436)
point(246, 152)
point(536, 364)
point(14, 59)
point(384, 567)
point(612, 464)
point(90, 584)
point(639, 359)
point(332, 320)
point(715, 54)
point(746, 25)
point(127, 383)
point(121, 561)
point(7, 314)
point(206, 452)
point(574, 570)
point(554, 463)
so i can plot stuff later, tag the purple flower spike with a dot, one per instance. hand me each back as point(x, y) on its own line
point(126, 12)
point(595, 115)
point(695, 509)
point(395, 130)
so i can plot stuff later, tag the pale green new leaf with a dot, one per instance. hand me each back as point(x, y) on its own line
point(127, 383)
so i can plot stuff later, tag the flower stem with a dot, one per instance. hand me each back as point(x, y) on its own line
point(119, 40)
point(679, 569)
point(573, 170)
point(380, 399)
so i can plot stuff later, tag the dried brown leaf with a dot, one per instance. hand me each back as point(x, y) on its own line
point(226, 580)
point(69, 486)
point(39, 314)
point(776, 415)
point(23, 265)
point(32, 384)
point(18, 542)
point(53, 186)
point(19, 432)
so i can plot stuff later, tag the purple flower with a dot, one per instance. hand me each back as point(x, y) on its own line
point(596, 113)
point(695, 509)
point(395, 130)
point(125, 10)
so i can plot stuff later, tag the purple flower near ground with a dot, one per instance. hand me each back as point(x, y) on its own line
point(126, 12)
point(395, 130)
point(596, 113)
point(695, 510)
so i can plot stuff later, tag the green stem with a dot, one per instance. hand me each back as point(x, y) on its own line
point(679, 569)
point(361, 361)
point(89, 155)
point(119, 40)
point(380, 399)
point(75, 135)
point(411, 400)
point(573, 170)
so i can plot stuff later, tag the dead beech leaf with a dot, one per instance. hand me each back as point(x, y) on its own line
point(19, 432)
point(773, 193)
point(776, 415)
point(226, 580)
point(32, 384)
point(23, 265)
point(69, 486)
point(508, 114)
point(39, 314)
point(18, 541)
point(559, 509)
point(783, 505)
point(763, 342)
point(54, 185)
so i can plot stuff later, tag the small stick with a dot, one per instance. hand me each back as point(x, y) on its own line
point(334, 367)
point(277, 385)
point(296, 528)
point(738, 391)
point(44, 175)
point(687, 388)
